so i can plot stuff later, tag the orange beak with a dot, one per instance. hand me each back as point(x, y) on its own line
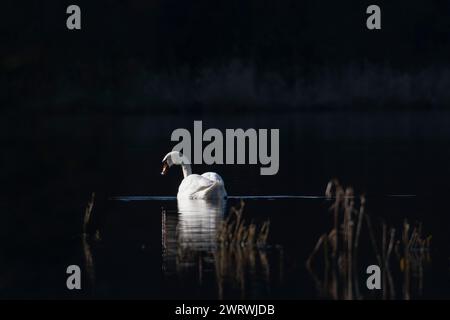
point(165, 168)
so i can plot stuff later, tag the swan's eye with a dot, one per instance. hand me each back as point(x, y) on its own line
point(165, 168)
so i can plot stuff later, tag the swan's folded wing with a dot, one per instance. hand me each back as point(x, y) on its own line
point(194, 183)
point(213, 177)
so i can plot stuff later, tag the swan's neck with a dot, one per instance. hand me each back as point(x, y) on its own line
point(186, 169)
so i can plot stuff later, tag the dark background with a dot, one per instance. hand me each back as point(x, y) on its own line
point(93, 109)
point(148, 56)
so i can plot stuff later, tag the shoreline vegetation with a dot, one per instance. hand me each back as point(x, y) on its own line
point(338, 276)
point(337, 263)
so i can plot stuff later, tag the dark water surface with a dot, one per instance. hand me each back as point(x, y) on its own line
point(150, 246)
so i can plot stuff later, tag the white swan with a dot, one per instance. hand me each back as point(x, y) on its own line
point(206, 186)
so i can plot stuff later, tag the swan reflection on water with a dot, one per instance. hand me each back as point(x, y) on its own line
point(192, 252)
point(190, 235)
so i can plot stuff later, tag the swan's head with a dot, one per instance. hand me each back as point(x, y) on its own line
point(173, 157)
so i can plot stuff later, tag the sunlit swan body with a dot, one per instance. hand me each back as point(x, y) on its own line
point(194, 186)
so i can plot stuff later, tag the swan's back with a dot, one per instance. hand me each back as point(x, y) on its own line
point(213, 177)
point(206, 186)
